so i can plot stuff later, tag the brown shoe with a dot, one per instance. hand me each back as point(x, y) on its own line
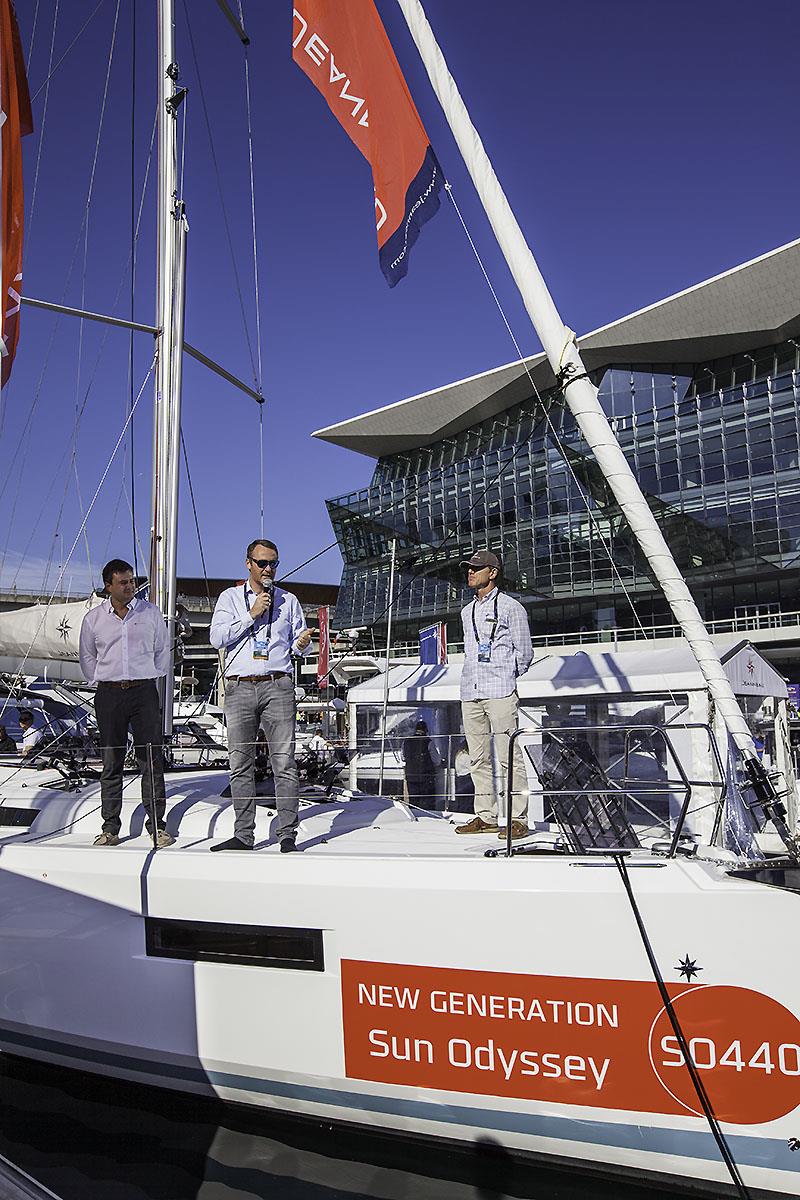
point(518, 829)
point(106, 839)
point(477, 825)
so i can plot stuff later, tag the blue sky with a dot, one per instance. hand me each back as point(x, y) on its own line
point(644, 147)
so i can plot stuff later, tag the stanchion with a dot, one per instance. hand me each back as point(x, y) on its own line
point(153, 817)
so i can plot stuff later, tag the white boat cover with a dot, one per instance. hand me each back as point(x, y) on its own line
point(595, 672)
point(42, 634)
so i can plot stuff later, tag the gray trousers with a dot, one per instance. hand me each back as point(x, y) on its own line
point(270, 705)
point(489, 723)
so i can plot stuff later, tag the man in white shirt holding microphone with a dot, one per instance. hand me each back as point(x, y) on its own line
point(260, 627)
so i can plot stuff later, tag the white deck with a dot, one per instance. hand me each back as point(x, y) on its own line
point(198, 816)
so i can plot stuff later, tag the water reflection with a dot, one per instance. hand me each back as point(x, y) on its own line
point(88, 1138)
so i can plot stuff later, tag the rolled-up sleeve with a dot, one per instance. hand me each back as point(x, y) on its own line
point(298, 627)
point(227, 626)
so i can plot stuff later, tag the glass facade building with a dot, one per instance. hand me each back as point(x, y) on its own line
point(716, 449)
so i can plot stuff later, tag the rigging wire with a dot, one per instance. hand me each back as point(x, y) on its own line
point(667, 1001)
point(33, 38)
point(19, 672)
point(131, 439)
point(19, 454)
point(551, 427)
point(259, 385)
point(593, 522)
point(196, 523)
point(81, 323)
point(43, 124)
point(261, 467)
point(218, 178)
point(52, 69)
point(95, 369)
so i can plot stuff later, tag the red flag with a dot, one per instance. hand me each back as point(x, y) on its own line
point(17, 120)
point(344, 51)
point(324, 647)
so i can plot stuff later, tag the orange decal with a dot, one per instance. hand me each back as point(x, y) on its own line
point(602, 1043)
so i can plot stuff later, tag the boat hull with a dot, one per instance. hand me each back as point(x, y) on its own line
point(543, 952)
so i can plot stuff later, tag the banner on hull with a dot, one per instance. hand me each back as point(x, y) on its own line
point(16, 120)
point(345, 52)
point(599, 1043)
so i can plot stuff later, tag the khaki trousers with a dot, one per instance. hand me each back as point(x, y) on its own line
point(488, 724)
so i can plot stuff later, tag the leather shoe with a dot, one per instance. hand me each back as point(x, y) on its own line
point(288, 845)
point(519, 829)
point(477, 825)
point(231, 844)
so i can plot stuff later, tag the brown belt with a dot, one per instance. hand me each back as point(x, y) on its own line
point(256, 678)
point(123, 683)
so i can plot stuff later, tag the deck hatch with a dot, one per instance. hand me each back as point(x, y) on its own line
point(247, 945)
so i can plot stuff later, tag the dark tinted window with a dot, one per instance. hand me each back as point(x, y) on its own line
point(254, 945)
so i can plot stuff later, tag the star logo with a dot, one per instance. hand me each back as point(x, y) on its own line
point(64, 629)
point(688, 967)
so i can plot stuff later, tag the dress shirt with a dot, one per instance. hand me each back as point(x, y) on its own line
point(136, 647)
point(512, 651)
point(234, 631)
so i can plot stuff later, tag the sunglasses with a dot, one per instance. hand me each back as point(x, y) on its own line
point(265, 562)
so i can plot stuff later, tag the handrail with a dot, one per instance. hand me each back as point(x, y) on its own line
point(686, 782)
point(621, 633)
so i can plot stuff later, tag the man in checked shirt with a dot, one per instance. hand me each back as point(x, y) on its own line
point(497, 649)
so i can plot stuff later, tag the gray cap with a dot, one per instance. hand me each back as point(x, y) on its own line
point(483, 558)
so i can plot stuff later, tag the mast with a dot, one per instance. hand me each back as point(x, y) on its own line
point(169, 321)
point(560, 346)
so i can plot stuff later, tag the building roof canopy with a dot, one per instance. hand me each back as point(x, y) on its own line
point(749, 306)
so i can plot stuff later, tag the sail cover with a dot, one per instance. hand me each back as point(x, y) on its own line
point(16, 120)
point(43, 632)
point(344, 51)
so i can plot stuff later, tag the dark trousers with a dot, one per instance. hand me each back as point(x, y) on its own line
point(118, 710)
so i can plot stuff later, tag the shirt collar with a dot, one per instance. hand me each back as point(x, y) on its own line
point(249, 591)
point(107, 605)
point(489, 596)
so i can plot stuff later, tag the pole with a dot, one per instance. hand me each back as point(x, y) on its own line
point(166, 411)
point(580, 393)
point(174, 445)
point(388, 653)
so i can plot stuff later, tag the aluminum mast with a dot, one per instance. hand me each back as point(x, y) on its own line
point(169, 320)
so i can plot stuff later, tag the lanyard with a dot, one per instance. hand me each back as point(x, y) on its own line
point(494, 622)
point(271, 611)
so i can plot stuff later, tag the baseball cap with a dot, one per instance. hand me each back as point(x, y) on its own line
point(482, 558)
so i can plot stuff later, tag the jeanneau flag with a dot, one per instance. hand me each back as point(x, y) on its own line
point(342, 47)
point(16, 120)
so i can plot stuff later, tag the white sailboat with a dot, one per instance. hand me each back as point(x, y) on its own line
point(603, 999)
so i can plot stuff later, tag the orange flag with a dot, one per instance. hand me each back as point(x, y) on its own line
point(16, 119)
point(342, 47)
